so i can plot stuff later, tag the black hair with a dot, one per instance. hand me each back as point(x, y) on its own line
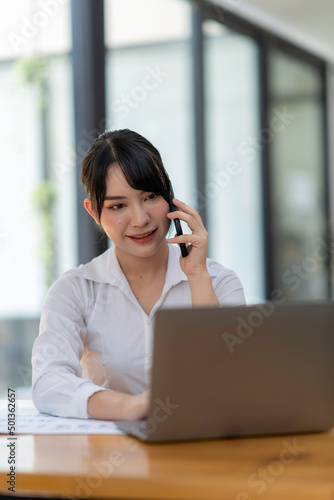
point(138, 159)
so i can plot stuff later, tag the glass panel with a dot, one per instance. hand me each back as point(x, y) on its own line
point(129, 22)
point(32, 155)
point(149, 86)
point(233, 184)
point(31, 26)
point(298, 178)
point(21, 168)
point(37, 222)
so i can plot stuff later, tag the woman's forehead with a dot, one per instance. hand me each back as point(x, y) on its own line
point(116, 179)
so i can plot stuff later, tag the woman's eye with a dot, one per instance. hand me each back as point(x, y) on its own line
point(151, 196)
point(116, 207)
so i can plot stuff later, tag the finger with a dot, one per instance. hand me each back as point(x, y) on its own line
point(188, 238)
point(186, 208)
point(193, 223)
point(186, 244)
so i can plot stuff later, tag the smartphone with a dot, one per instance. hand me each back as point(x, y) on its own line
point(179, 232)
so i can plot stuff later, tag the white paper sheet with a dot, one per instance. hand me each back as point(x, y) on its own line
point(28, 420)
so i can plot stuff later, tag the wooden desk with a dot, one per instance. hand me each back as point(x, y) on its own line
point(117, 466)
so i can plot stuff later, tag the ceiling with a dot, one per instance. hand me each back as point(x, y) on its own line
point(308, 23)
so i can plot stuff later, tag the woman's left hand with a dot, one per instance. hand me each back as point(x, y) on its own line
point(194, 265)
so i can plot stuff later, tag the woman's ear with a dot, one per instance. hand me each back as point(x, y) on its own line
point(88, 206)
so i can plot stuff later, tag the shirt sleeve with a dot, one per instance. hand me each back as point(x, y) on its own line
point(228, 288)
point(57, 384)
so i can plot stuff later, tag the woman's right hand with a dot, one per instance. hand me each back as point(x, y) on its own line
point(138, 406)
point(113, 405)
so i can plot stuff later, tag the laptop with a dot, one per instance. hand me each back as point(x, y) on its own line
point(240, 371)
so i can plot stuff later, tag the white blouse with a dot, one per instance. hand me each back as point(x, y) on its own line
point(94, 334)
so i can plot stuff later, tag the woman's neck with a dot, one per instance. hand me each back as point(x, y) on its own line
point(144, 268)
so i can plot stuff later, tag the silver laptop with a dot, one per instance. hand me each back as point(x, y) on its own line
point(240, 371)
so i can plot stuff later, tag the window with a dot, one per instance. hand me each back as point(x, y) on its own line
point(233, 162)
point(298, 178)
point(37, 232)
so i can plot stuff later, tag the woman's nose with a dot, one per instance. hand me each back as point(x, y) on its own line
point(140, 217)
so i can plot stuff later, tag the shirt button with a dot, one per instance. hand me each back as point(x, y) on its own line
point(148, 322)
point(150, 356)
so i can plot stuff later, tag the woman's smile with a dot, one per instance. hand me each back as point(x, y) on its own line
point(143, 237)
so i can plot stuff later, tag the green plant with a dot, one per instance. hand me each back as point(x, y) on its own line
point(32, 71)
point(44, 199)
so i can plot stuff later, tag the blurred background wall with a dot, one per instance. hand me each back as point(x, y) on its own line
point(237, 96)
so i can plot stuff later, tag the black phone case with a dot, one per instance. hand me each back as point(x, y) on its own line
point(178, 227)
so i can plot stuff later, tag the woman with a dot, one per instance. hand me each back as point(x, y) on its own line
point(92, 357)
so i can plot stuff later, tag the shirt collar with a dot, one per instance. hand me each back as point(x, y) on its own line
point(106, 269)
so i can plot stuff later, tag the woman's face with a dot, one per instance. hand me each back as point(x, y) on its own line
point(135, 221)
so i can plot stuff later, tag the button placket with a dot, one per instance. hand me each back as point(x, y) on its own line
point(148, 322)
